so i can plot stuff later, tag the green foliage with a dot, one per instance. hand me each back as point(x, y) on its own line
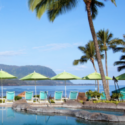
point(81, 101)
point(107, 101)
point(36, 96)
point(18, 97)
point(113, 1)
point(94, 94)
point(116, 95)
point(3, 101)
point(89, 53)
point(52, 101)
point(57, 7)
point(106, 41)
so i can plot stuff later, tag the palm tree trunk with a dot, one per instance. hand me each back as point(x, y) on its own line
point(106, 67)
point(88, 3)
point(95, 71)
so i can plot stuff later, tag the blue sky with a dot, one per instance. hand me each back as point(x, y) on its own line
point(27, 40)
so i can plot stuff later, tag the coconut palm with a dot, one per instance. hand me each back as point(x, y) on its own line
point(57, 7)
point(120, 63)
point(89, 54)
point(106, 41)
point(120, 48)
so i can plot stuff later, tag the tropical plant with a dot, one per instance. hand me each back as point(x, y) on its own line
point(36, 96)
point(56, 7)
point(106, 41)
point(116, 95)
point(18, 97)
point(93, 94)
point(121, 63)
point(89, 54)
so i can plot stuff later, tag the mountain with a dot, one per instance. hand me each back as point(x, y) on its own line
point(21, 71)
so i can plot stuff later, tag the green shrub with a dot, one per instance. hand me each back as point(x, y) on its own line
point(3, 101)
point(94, 94)
point(116, 95)
point(18, 97)
point(36, 96)
point(52, 101)
point(106, 101)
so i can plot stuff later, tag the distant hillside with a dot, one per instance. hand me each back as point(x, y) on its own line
point(21, 71)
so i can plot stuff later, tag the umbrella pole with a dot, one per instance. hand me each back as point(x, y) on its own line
point(35, 88)
point(95, 84)
point(2, 90)
point(65, 88)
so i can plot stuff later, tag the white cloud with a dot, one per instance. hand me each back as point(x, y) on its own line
point(11, 53)
point(73, 68)
point(56, 46)
point(77, 68)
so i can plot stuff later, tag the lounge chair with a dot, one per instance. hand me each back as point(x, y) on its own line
point(91, 98)
point(29, 96)
point(73, 95)
point(10, 96)
point(122, 98)
point(43, 97)
point(58, 96)
point(103, 96)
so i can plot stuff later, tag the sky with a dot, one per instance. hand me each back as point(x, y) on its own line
point(27, 40)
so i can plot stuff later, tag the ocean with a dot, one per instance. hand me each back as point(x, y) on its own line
point(52, 89)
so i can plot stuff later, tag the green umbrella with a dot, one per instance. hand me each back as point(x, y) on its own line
point(35, 76)
point(5, 75)
point(121, 77)
point(65, 76)
point(95, 76)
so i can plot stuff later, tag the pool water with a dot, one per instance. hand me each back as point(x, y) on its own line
point(99, 111)
point(10, 117)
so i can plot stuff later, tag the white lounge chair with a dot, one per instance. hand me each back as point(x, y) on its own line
point(29, 96)
point(10, 96)
point(58, 97)
point(73, 95)
point(43, 97)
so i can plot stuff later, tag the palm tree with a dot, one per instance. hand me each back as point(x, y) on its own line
point(89, 54)
point(106, 41)
point(121, 63)
point(56, 7)
point(120, 48)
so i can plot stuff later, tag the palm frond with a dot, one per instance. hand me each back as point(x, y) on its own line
point(94, 5)
point(120, 68)
point(117, 41)
point(113, 1)
point(75, 62)
point(82, 60)
point(122, 57)
point(33, 3)
point(119, 63)
point(82, 48)
point(60, 7)
point(119, 49)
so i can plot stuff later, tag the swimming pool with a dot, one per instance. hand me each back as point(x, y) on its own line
point(99, 111)
point(10, 117)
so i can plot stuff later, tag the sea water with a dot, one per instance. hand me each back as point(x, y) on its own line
point(52, 89)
